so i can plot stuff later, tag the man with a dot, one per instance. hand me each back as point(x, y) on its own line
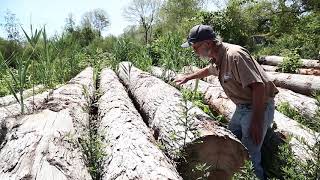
point(244, 82)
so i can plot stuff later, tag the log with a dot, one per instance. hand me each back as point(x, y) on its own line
point(276, 60)
point(310, 71)
point(10, 99)
point(44, 145)
point(305, 71)
point(131, 147)
point(269, 68)
point(203, 142)
point(218, 101)
point(303, 84)
point(305, 105)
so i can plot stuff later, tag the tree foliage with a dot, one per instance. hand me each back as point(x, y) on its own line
point(144, 12)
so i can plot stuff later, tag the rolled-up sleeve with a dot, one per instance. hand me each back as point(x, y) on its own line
point(212, 69)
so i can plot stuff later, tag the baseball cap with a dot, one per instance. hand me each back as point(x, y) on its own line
point(199, 33)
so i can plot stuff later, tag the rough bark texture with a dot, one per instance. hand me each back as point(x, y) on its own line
point(163, 107)
point(10, 99)
point(44, 145)
point(305, 71)
point(132, 152)
point(218, 100)
point(305, 105)
point(303, 84)
point(310, 71)
point(276, 60)
point(269, 68)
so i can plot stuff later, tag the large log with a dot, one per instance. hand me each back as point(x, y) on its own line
point(202, 141)
point(44, 145)
point(132, 152)
point(218, 100)
point(10, 99)
point(305, 105)
point(276, 60)
point(303, 84)
point(269, 68)
point(305, 71)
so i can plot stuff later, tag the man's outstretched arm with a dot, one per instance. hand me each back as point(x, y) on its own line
point(201, 73)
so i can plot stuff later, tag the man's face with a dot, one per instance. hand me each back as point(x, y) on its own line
point(201, 48)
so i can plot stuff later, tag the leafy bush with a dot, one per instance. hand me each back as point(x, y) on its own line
point(291, 62)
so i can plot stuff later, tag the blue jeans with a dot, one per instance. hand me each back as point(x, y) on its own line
point(240, 124)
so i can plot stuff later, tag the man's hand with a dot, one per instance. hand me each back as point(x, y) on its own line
point(181, 80)
point(255, 130)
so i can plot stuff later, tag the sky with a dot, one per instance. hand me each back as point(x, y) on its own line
point(53, 13)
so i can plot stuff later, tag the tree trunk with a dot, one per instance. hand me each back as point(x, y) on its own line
point(200, 141)
point(131, 148)
point(276, 60)
point(218, 100)
point(310, 71)
point(305, 105)
point(303, 84)
point(305, 71)
point(10, 99)
point(269, 68)
point(44, 145)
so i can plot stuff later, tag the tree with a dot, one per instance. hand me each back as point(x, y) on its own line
point(11, 26)
point(96, 19)
point(70, 24)
point(143, 12)
point(174, 11)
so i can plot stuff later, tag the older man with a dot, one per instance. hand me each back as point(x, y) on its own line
point(244, 82)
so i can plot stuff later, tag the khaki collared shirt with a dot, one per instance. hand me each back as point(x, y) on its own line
point(236, 70)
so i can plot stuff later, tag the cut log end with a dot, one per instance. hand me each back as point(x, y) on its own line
point(221, 155)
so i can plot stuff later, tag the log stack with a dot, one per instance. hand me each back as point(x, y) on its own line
point(277, 60)
point(302, 84)
point(203, 141)
point(218, 100)
point(44, 145)
point(305, 71)
point(131, 149)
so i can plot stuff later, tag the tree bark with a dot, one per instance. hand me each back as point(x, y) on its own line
point(303, 84)
point(202, 140)
point(44, 145)
point(218, 100)
point(305, 71)
point(276, 60)
point(305, 105)
point(131, 148)
point(269, 68)
point(10, 99)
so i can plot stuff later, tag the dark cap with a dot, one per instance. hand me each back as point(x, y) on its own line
point(199, 33)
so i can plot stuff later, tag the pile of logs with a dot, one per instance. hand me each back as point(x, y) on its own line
point(218, 100)
point(163, 108)
point(149, 129)
point(131, 148)
point(306, 81)
point(42, 144)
